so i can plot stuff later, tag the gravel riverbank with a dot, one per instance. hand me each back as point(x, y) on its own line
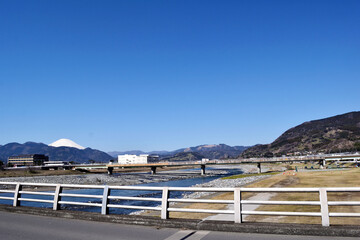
point(217, 183)
point(123, 179)
point(224, 183)
point(128, 179)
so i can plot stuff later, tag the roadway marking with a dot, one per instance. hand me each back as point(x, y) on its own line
point(188, 235)
point(198, 235)
point(180, 235)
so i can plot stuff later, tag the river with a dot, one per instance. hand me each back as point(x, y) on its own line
point(226, 171)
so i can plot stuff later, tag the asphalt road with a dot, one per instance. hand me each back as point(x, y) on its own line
point(14, 226)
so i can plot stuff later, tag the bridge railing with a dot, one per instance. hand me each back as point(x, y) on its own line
point(107, 197)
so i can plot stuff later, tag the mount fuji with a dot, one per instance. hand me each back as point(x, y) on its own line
point(63, 149)
point(66, 143)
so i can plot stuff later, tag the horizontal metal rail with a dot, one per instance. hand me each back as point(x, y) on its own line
point(135, 198)
point(81, 186)
point(134, 207)
point(80, 203)
point(200, 210)
point(280, 202)
point(309, 214)
point(344, 203)
point(7, 191)
point(37, 193)
point(199, 189)
point(136, 188)
point(35, 200)
point(184, 200)
point(7, 198)
point(39, 184)
point(79, 195)
point(107, 194)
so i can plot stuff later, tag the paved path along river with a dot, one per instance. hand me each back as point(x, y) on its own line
point(14, 226)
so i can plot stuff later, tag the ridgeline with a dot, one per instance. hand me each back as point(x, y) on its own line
point(340, 133)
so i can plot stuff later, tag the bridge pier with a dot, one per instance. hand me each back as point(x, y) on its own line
point(202, 169)
point(110, 170)
point(153, 170)
point(322, 164)
point(259, 168)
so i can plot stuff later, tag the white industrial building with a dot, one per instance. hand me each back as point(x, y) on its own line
point(134, 159)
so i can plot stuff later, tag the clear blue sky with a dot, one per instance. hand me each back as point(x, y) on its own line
point(161, 75)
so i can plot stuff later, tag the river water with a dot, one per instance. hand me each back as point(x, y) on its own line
point(133, 193)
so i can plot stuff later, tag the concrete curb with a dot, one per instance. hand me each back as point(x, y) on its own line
point(265, 228)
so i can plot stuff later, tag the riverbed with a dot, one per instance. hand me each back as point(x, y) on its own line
point(175, 178)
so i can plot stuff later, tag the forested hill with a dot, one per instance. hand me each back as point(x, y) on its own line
point(54, 153)
point(340, 133)
point(211, 151)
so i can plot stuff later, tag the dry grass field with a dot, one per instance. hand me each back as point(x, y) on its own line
point(333, 178)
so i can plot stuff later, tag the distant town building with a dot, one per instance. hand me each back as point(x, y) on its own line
point(56, 165)
point(28, 160)
point(134, 159)
point(205, 160)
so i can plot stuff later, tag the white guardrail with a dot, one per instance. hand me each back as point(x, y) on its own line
point(164, 201)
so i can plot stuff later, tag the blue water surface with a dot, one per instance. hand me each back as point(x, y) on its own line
point(133, 193)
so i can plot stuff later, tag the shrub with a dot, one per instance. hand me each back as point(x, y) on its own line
point(289, 167)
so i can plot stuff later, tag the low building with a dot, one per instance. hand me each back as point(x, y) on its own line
point(53, 165)
point(134, 159)
point(205, 160)
point(28, 160)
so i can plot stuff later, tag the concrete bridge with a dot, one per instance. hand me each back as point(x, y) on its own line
point(321, 159)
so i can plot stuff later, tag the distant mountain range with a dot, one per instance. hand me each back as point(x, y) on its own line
point(340, 133)
point(183, 156)
point(78, 154)
point(54, 153)
point(193, 153)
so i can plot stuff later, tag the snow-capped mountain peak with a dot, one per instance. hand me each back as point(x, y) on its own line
point(66, 143)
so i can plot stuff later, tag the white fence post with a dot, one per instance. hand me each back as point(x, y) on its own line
point(57, 197)
point(324, 208)
point(104, 208)
point(237, 205)
point(17, 195)
point(165, 203)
